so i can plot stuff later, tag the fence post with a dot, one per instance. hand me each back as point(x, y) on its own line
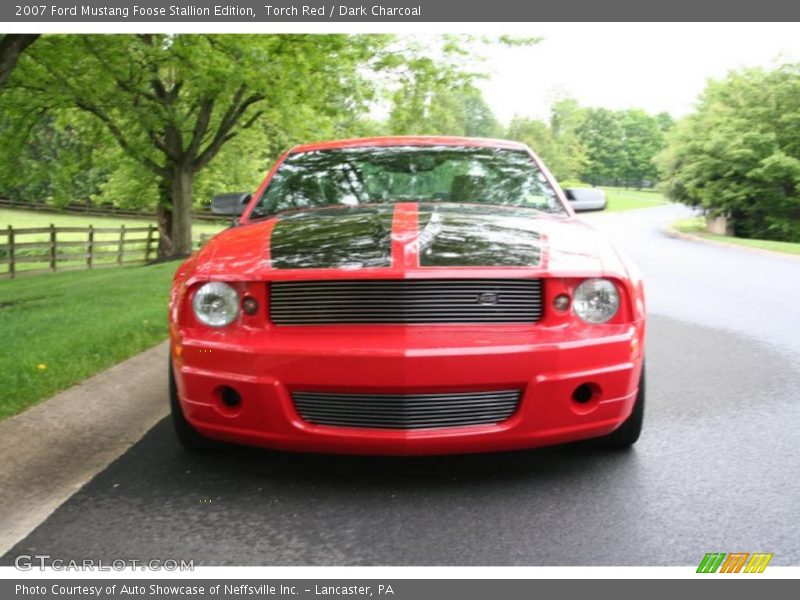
point(121, 249)
point(53, 248)
point(150, 228)
point(11, 252)
point(90, 247)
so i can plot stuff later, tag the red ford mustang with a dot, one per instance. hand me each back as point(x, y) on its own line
point(411, 295)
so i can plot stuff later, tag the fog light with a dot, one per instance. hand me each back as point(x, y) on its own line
point(250, 305)
point(561, 302)
point(230, 397)
point(586, 392)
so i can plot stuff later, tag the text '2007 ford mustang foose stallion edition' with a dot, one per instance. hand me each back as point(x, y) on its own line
point(412, 295)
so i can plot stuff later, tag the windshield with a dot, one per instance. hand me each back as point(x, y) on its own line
point(357, 176)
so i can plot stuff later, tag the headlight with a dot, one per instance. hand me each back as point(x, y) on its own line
point(216, 304)
point(596, 300)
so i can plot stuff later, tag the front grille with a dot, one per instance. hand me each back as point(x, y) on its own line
point(406, 301)
point(406, 411)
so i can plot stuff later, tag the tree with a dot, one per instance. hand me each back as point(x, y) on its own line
point(435, 91)
point(11, 48)
point(665, 121)
point(566, 117)
point(643, 139)
point(442, 110)
point(171, 103)
point(559, 157)
point(602, 134)
point(52, 158)
point(428, 95)
point(479, 118)
point(739, 154)
point(597, 145)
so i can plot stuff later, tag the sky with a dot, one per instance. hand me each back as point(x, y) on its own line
point(654, 66)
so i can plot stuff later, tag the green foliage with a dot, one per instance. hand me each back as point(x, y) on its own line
point(566, 116)
point(572, 183)
point(602, 133)
point(621, 146)
point(58, 159)
point(11, 48)
point(444, 111)
point(171, 103)
point(643, 139)
point(596, 145)
point(739, 153)
point(167, 121)
point(432, 91)
point(111, 118)
point(562, 155)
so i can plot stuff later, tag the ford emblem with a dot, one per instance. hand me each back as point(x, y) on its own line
point(487, 298)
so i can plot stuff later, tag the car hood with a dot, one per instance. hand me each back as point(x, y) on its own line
point(352, 239)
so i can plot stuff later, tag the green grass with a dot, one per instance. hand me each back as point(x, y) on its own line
point(59, 329)
point(620, 199)
point(20, 219)
point(697, 226)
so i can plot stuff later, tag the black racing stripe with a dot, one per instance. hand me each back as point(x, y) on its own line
point(477, 236)
point(340, 237)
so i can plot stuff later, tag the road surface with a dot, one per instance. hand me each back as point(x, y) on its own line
point(716, 470)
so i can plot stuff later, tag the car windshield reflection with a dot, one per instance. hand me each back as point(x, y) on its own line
point(379, 175)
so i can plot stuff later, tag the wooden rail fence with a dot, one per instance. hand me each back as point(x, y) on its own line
point(27, 251)
point(100, 210)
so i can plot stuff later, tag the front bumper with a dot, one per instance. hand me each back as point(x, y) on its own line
point(545, 363)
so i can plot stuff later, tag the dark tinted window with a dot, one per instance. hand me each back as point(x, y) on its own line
point(357, 176)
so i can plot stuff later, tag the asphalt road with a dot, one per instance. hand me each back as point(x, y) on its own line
point(717, 468)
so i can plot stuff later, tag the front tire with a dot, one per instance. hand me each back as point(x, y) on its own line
point(187, 435)
point(626, 434)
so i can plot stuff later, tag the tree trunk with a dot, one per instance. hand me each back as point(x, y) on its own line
point(174, 213)
point(182, 210)
point(11, 47)
point(164, 219)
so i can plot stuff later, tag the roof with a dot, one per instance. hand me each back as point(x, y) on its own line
point(409, 140)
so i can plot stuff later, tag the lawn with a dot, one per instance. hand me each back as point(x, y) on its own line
point(620, 199)
point(697, 226)
point(61, 328)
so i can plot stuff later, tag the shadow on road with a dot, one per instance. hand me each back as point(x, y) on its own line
point(253, 464)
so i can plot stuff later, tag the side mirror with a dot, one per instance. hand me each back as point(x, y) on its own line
point(230, 204)
point(586, 198)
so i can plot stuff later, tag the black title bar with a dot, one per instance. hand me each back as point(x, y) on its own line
point(460, 11)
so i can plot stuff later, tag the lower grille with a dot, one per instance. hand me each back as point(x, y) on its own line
point(406, 411)
point(406, 301)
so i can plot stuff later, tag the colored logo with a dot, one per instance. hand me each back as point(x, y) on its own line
point(735, 562)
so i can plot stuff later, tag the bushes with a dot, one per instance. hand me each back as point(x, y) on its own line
point(739, 154)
